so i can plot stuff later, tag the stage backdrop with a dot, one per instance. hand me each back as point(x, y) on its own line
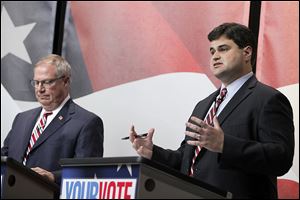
point(141, 63)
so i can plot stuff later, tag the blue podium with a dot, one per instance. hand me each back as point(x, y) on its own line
point(129, 178)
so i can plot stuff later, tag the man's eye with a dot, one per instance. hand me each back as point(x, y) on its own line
point(223, 49)
point(47, 82)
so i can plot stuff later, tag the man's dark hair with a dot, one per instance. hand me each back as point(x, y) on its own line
point(239, 33)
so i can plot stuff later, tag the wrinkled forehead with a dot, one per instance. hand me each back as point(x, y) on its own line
point(44, 69)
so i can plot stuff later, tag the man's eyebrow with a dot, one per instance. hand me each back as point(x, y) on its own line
point(223, 45)
point(220, 46)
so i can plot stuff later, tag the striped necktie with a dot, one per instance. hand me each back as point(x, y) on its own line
point(209, 120)
point(37, 131)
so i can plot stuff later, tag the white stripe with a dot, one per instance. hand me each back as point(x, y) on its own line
point(31, 143)
point(35, 133)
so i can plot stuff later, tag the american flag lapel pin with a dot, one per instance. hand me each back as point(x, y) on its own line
point(60, 118)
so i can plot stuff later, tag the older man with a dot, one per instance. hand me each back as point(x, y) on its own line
point(60, 128)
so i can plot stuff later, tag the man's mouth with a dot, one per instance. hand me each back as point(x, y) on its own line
point(43, 97)
point(217, 64)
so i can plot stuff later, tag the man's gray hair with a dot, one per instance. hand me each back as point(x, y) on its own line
point(63, 68)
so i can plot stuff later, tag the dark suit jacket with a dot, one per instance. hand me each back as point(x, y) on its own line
point(77, 133)
point(258, 143)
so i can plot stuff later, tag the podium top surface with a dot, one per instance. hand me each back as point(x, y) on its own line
point(94, 162)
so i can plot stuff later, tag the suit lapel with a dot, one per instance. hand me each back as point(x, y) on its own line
point(64, 115)
point(207, 104)
point(32, 118)
point(241, 94)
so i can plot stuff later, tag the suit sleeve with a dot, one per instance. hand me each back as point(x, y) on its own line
point(90, 139)
point(167, 157)
point(273, 149)
point(5, 148)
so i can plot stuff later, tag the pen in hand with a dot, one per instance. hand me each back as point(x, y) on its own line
point(137, 136)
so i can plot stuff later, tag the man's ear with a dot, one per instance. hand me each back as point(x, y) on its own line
point(247, 51)
point(67, 81)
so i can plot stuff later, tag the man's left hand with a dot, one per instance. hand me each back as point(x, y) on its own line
point(205, 135)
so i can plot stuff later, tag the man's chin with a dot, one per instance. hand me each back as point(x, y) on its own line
point(45, 102)
point(47, 107)
point(218, 74)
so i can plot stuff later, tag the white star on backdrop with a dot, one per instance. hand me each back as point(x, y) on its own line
point(128, 168)
point(12, 37)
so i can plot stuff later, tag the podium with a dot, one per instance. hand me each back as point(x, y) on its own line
point(129, 178)
point(18, 181)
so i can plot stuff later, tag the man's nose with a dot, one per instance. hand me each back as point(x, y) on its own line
point(40, 87)
point(216, 56)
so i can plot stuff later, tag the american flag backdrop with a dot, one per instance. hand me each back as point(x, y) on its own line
point(141, 63)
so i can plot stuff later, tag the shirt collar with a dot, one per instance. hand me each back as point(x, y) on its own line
point(235, 85)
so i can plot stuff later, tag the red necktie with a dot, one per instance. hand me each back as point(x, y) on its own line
point(209, 120)
point(37, 131)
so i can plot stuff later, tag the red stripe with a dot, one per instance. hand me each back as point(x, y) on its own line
point(34, 140)
point(38, 131)
point(41, 122)
point(277, 29)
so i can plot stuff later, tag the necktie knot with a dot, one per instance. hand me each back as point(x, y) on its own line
point(221, 96)
point(46, 114)
point(223, 92)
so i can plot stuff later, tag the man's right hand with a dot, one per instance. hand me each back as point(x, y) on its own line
point(144, 145)
point(44, 173)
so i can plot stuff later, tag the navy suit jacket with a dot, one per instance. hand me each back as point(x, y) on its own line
point(74, 132)
point(258, 143)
